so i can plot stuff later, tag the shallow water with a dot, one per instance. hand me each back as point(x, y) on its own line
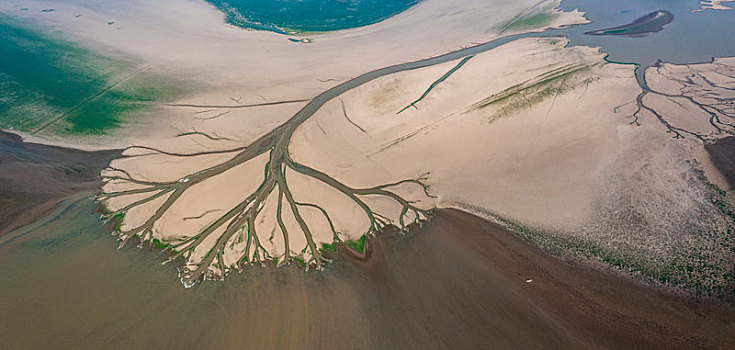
point(79, 90)
point(51, 85)
point(69, 279)
point(692, 37)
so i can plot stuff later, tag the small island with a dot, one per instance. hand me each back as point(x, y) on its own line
point(650, 23)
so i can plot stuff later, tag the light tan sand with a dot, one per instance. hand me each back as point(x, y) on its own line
point(713, 5)
point(531, 131)
point(473, 156)
point(695, 97)
point(500, 163)
point(188, 40)
point(231, 67)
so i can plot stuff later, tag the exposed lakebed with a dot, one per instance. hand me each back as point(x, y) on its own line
point(71, 266)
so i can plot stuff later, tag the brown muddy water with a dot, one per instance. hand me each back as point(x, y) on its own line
point(34, 178)
point(457, 282)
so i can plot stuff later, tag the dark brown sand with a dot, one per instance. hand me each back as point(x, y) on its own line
point(34, 178)
point(722, 154)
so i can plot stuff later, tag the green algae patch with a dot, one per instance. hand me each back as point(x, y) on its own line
point(53, 86)
point(357, 245)
point(299, 260)
point(117, 221)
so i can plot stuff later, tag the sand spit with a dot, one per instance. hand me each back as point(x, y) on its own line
point(713, 5)
point(650, 23)
point(550, 140)
point(476, 133)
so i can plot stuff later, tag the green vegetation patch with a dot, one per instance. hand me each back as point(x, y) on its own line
point(157, 244)
point(693, 268)
point(330, 247)
point(51, 85)
point(299, 260)
point(702, 265)
point(537, 20)
point(117, 221)
point(532, 92)
point(357, 245)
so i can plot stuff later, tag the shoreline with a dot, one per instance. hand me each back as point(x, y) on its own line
point(343, 89)
point(560, 291)
point(232, 80)
point(490, 219)
point(537, 194)
point(27, 138)
point(508, 39)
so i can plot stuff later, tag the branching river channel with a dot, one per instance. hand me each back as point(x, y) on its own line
point(239, 221)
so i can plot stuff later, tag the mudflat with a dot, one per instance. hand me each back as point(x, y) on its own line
point(463, 281)
point(245, 151)
point(722, 153)
point(458, 281)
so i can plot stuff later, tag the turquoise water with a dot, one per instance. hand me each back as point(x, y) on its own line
point(285, 16)
point(66, 277)
point(50, 85)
